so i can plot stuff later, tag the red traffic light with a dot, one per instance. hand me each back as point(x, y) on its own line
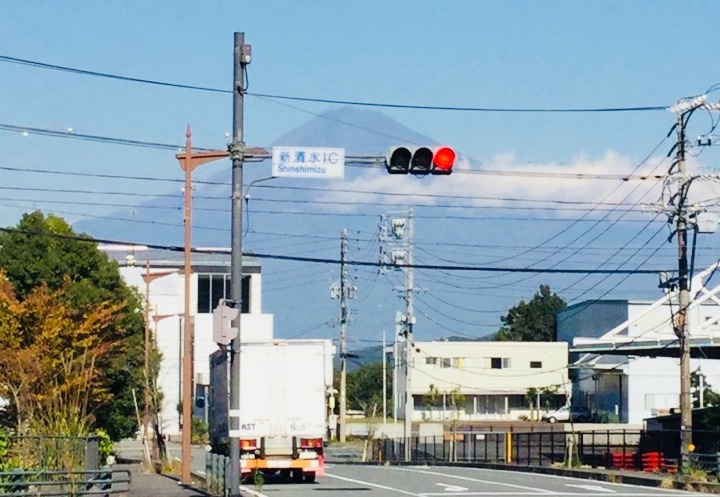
point(420, 160)
point(443, 160)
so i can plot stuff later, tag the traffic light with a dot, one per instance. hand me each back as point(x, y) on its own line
point(420, 160)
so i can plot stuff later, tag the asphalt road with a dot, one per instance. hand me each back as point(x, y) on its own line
point(423, 481)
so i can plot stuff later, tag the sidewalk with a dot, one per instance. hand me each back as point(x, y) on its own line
point(153, 484)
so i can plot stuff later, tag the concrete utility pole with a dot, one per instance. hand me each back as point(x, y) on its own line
point(409, 321)
point(241, 58)
point(681, 328)
point(344, 287)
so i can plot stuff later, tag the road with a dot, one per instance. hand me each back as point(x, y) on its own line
point(423, 481)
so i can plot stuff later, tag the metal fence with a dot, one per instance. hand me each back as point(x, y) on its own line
point(54, 452)
point(20, 483)
point(639, 450)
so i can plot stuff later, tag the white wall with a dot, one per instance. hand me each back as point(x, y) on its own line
point(468, 366)
point(654, 384)
point(166, 313)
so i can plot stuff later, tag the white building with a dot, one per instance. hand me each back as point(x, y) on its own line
point(625, 353)
point(493, 379)
point(164, 293)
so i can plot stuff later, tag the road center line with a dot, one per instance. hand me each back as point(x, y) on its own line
point(376, 485)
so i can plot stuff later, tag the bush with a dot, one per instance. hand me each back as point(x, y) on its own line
point(105, 444)
point(6, 462)
point(199, 431)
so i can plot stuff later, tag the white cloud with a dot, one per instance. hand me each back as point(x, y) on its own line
point(543, 184)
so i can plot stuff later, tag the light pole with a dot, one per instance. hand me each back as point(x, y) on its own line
point(148, 277)
point(188, 162)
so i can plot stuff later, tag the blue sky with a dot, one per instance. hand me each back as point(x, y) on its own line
point(499, 54)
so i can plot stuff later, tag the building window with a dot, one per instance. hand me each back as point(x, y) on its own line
point(213, 287)
point(499, 362)
point(535, 364)
point(431, 361)
point(448, 362)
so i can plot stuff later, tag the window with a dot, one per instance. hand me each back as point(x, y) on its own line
point(213, 287)
point(448, 362)
point(535, 364)
point(499, 362)
point(431, 360)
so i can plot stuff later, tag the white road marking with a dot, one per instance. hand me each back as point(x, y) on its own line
point(594, 488)
point(452, 488)
point(477, 480)
point(376, 485)
point(554, 494)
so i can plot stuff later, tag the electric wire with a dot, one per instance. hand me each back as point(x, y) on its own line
point(85, 72)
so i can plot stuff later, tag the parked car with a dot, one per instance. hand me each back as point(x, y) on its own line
point(568, 413)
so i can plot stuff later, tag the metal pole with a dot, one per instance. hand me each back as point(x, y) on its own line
point(187, 332)
point(681, 329)
point(395, 381)
point(408, 340)
point(241, 57)
point(343, 329)
point(384, 373)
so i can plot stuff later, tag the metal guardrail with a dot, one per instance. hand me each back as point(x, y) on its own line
point(21, 483)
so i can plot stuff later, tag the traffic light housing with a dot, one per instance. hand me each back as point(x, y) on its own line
point(420, 160)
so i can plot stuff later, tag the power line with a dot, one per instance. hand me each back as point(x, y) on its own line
point(322, 260)
point(85, 72)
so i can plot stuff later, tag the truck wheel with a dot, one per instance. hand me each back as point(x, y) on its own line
point(309, 477)
point(297, 476)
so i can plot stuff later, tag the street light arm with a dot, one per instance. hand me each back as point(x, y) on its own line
point(247, 202)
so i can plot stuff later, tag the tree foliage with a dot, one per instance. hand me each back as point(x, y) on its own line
point(66, 316)
point(532, 321)
point(364, 386)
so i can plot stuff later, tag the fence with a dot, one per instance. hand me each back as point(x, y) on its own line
point(217, 470)
point(20, 483)
point(54, 452)
point(640, 450)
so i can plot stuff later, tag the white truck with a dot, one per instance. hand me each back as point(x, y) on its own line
point(283, 406)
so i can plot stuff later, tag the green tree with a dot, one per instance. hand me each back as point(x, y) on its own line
point(532, 321)
point(364, 386)
point(44, 251)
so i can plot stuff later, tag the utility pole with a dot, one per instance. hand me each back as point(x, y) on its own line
point(681, 328)
point(384, 383)
point(683, 215)
point(344, 292)
point(409, 321)
point(396, 235)
point(343, 338)
point(241, 58)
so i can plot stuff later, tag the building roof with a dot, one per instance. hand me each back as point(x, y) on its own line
point(211, 260)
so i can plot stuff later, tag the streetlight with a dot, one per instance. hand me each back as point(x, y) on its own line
point(188, 162)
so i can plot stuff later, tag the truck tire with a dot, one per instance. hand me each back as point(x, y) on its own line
point(310, 477)
point(297, 476)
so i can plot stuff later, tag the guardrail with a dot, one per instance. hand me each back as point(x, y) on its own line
point(20, 483)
